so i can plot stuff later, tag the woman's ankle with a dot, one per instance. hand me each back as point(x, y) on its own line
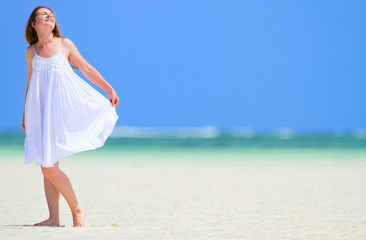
point(77, 210)
point(54, 219)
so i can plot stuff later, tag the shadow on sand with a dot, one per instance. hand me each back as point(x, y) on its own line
point(26, 225)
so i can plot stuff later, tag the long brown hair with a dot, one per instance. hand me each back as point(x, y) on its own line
point(31, 33)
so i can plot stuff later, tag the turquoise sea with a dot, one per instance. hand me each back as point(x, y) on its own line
point(221, 145)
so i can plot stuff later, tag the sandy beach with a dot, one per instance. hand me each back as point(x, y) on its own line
point(160, 197)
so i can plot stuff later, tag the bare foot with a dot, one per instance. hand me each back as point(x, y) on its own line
point(48, 222)
point(79, 217)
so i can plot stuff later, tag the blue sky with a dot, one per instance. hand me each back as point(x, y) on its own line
point(263, 64)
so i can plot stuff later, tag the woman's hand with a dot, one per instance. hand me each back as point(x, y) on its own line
point(113, 98)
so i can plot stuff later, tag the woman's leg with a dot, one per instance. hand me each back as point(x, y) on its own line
point(53, 197)
point(62, 183)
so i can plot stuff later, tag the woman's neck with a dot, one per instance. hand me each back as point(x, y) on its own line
point(44, 38)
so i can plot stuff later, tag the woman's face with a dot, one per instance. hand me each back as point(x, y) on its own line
point(44, 19)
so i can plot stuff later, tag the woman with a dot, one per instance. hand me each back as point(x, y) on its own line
point(63, 114)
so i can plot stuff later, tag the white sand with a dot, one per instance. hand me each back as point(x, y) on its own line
point(160, 200)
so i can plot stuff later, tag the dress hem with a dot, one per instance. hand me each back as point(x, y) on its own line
point(106, 133)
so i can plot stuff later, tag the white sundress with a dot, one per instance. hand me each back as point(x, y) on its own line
point(63, 114)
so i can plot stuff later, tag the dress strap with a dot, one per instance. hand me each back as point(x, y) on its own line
point(34, 49)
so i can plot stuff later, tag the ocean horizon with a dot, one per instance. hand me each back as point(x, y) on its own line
point(214, 138)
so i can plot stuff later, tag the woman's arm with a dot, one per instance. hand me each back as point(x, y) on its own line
point(89, 71)
point(29, 56)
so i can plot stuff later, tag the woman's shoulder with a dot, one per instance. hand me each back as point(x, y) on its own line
point(29, 48)
point(66, 41)
point(30, 53)
point(68, 44)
